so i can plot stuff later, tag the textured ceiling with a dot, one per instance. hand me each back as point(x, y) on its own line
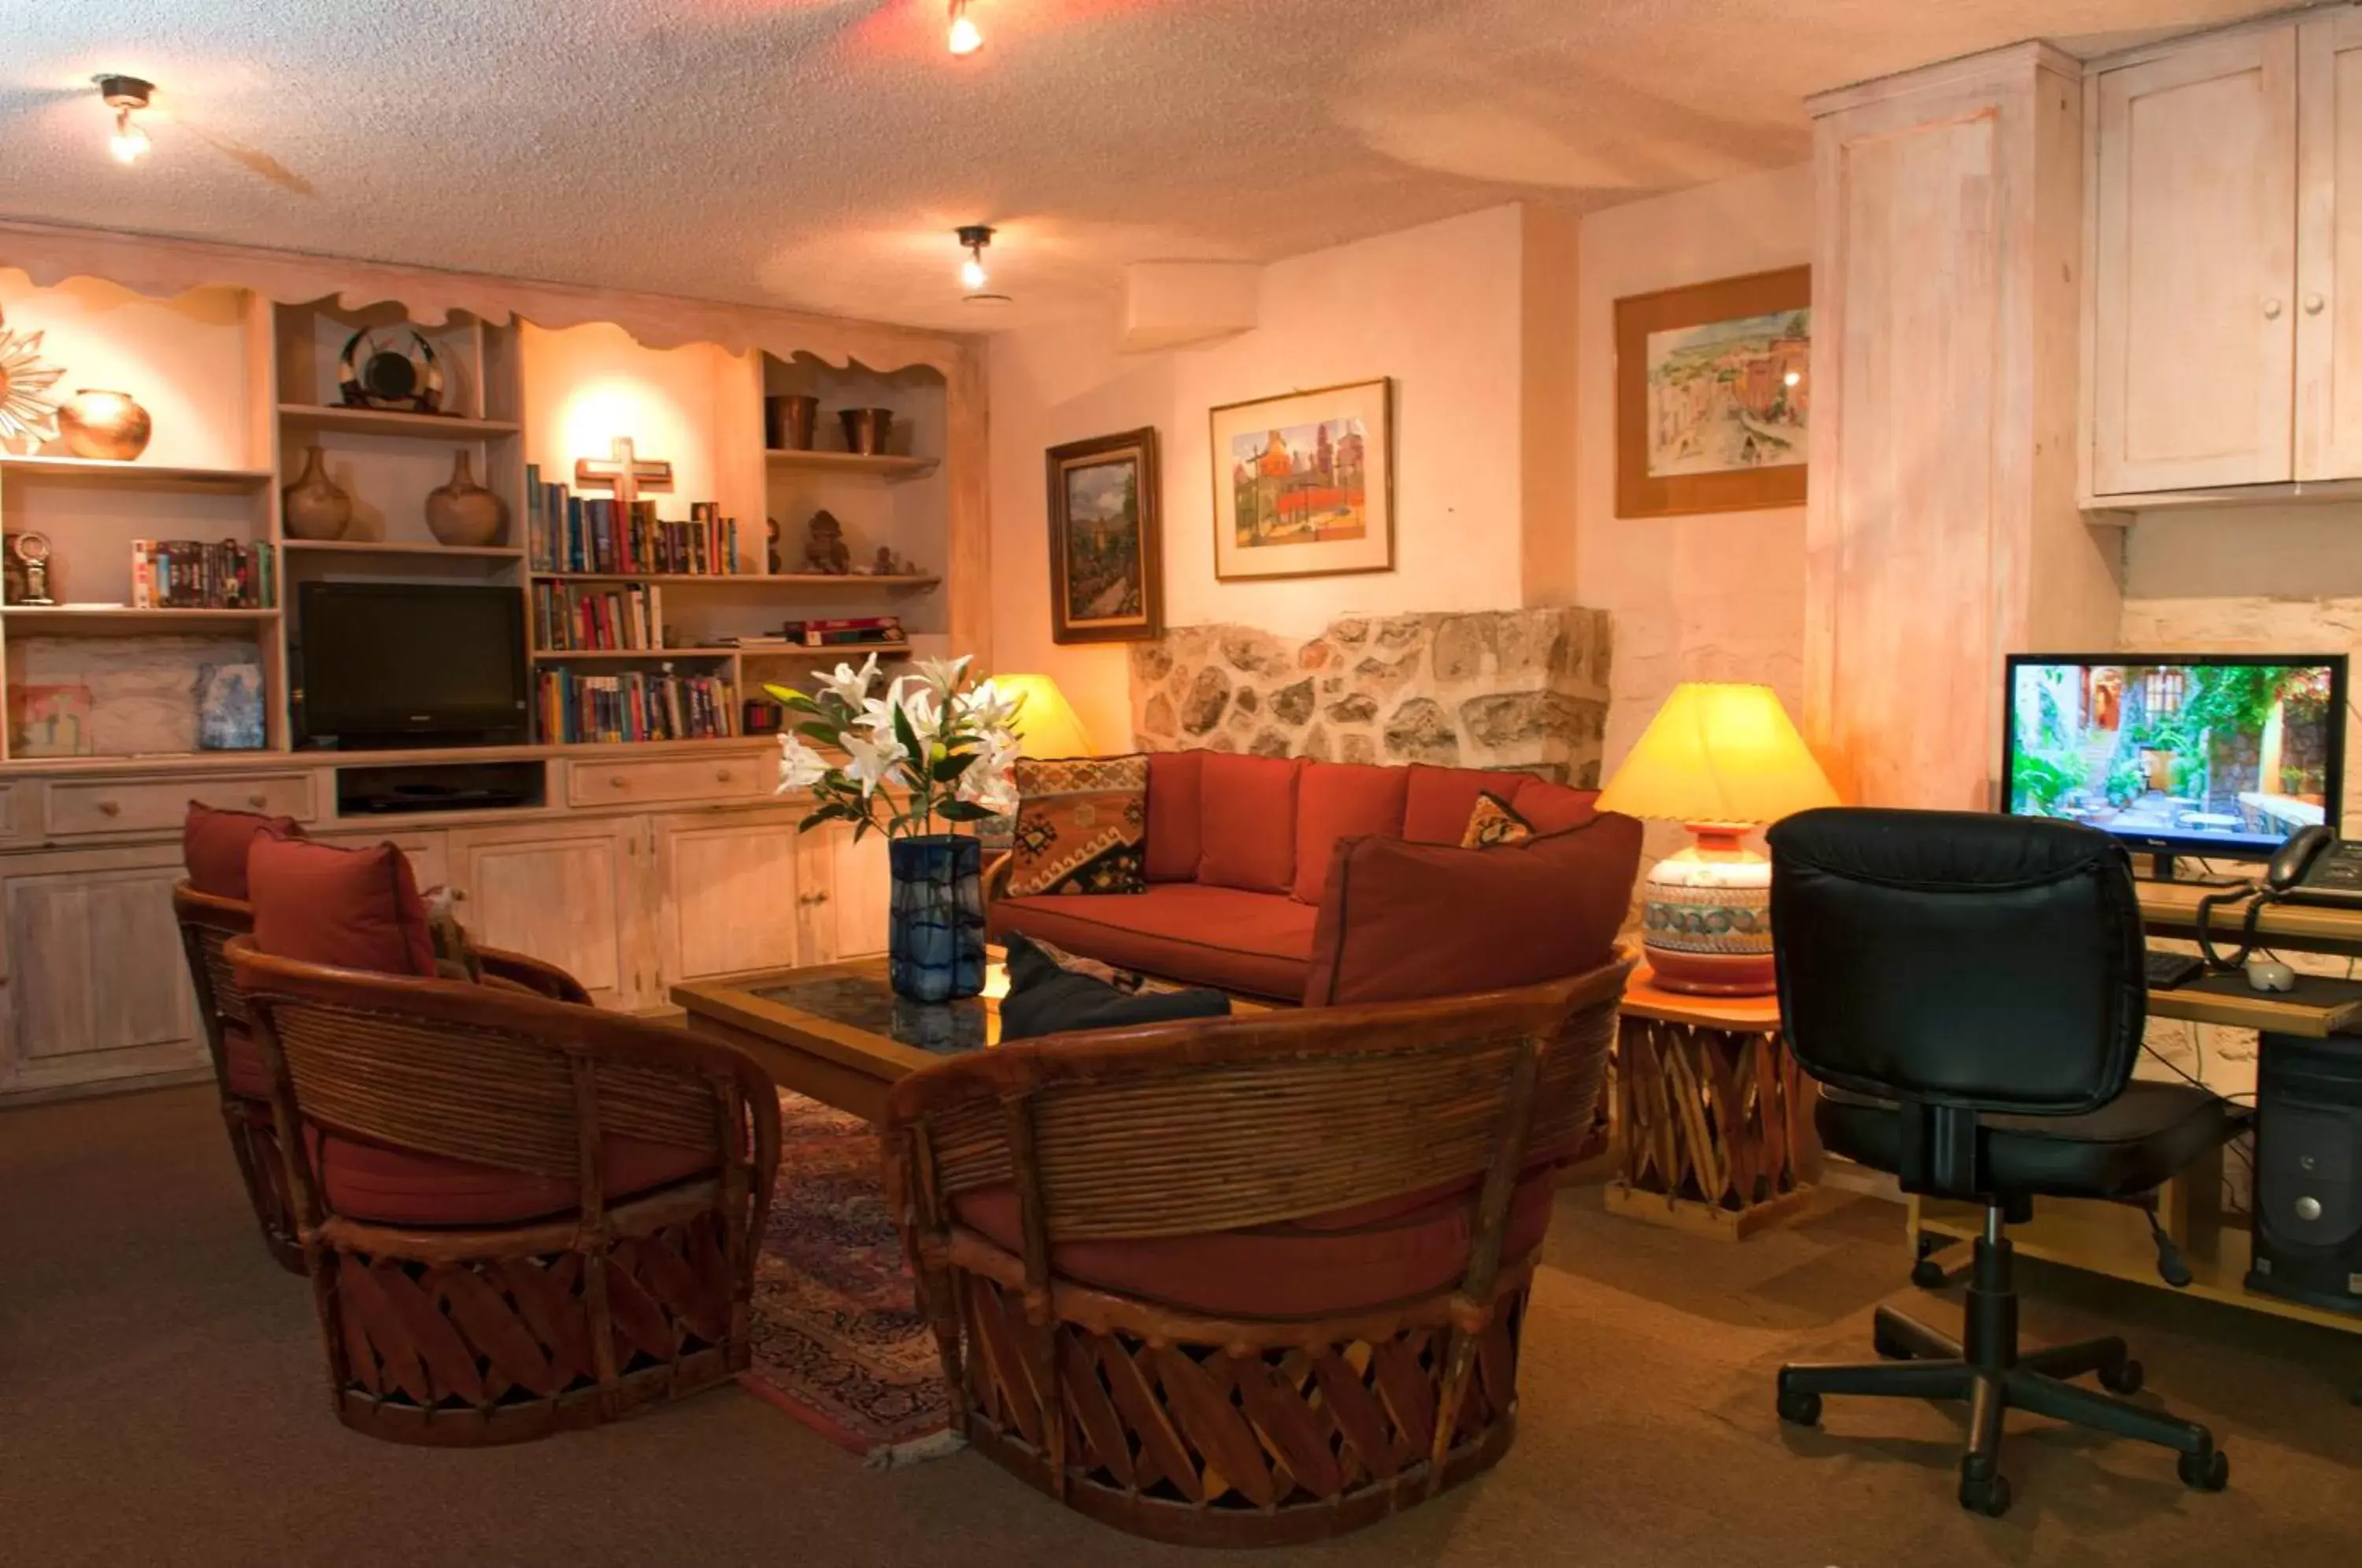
point(818, 152)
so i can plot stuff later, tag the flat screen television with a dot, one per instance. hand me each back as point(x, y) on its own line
point(2179, 754)
point(400, 664)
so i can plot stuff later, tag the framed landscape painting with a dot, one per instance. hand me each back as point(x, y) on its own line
point(1106, 580)
point(1713, 387)
point(1304, 485)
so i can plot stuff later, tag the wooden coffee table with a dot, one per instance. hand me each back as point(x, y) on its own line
point(838, 1033)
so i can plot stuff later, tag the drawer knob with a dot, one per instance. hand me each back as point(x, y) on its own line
point(2313, 304)
point(2271, 310)
point(820, 898)
point(257, 802)
point(721, 776)
point(616, 781)
point(110, 808)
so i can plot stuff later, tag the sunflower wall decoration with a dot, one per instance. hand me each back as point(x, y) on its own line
point(24, 379)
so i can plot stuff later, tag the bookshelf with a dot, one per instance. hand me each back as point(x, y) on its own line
point(241, 383)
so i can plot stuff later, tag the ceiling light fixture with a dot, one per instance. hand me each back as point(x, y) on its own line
point(126, 94)
point(965, 37)
point(976, 236)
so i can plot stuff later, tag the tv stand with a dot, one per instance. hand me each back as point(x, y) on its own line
point(2161, 869)
point(440, 787)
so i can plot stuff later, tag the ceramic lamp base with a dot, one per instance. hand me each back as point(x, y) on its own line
point(1706, 923)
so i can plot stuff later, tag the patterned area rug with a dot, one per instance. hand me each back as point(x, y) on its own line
point(839, 1342)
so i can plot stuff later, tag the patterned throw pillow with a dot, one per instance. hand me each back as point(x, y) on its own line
point(1082, 826)
point(1492, 823)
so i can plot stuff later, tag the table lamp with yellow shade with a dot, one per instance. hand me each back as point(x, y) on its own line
point(1047, 724)
point(1719, 759)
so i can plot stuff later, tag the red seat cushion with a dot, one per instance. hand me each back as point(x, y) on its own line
point(1341, 800)
point(1405, 920)
point(1257, 943)
point(1176, 834)
point(1554, 808)
point(374, 1182)
point(1347, 1260)
point(243, 1072)
point(214, 845)
point(1249, 821)
point(351, 908)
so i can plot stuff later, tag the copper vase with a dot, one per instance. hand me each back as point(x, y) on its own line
point(463, 512)
point(315, 506)
point(105, 425)
point(788, 420)
point(866, 429)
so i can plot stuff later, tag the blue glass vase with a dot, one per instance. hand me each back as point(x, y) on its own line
point(934, 941)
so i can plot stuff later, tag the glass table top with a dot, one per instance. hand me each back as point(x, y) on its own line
point(866, 1001)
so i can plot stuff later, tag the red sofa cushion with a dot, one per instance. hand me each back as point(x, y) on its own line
point(351, 908)
point(1437, 801)
point(243, 1072)
point(1341, 800)
point(1554, 808)
point(1176, 834)
point(214, 845)
point(366, 1180)
point(1257, 942)
point(1404, 920)
point(1348, 1260)
point(1249, 821)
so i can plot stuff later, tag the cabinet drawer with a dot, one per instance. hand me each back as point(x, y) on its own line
point(159, 805)
point(670, 778)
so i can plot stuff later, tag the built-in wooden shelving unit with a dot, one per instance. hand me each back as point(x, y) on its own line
point(390, 422)
point(887, 468)
point(136, 476)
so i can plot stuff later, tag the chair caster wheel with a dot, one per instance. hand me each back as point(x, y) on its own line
point(1800, 1410)
point(2207, 1472)
point(1927, 1275)
point(2125, 1379)
point(1988, 1495)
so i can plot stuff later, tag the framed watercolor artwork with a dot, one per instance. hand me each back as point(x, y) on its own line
point(1713, 387)
point(1107, 556)
point(1304, 485)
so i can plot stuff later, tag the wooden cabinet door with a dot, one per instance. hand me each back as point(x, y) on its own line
point(2194, 268)
point(726, 894)
point(569, 893)
point(844, 895)
point(93, 984)
point(2329, 248)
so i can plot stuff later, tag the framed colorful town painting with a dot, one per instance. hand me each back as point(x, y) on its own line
point(1106, 550)
point(1304, 485)
point(1712, 385)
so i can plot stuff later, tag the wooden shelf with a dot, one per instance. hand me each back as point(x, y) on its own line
point(719, 579)
point(832, 650)
point(390, 422)
point(395, 548)
point(555, 655)
point(60, 620)
point(904, 580)
point(890, 469)
point(98, 473)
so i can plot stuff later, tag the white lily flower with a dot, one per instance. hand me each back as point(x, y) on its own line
point(872, 762)
point(989, 708)
point(851, 686)
point(800, 766)
point(944, 674)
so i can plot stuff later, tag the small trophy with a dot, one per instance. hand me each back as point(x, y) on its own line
point(30, 554)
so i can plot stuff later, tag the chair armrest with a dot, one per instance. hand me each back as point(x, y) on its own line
point(542, 980)
point(996, 877)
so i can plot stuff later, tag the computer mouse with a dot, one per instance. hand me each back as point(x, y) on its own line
point(2266, 974)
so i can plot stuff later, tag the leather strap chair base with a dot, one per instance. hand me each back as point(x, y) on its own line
point(1988, 1371)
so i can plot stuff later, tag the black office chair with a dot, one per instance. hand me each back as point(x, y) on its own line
point(1970, 990)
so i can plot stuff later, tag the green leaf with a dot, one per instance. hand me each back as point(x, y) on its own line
point(963, 812)
point(786, 694)
point(827, 734)
point(909, 737)
point(952, 766)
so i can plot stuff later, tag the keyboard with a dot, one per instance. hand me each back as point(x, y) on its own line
point(2167, 970)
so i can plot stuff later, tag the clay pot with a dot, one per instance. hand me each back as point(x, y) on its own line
point(315, 506)
point(866, 429)
point(788, 421)
point(106, 424)
point(463, 512)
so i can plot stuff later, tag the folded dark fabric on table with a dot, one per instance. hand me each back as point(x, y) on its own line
point(1045, 997)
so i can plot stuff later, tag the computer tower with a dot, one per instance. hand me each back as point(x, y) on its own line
point(2308, 1195)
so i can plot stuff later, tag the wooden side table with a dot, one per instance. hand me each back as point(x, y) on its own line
point(1715, 1117)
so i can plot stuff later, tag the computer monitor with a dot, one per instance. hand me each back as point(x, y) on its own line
point(2177, 753)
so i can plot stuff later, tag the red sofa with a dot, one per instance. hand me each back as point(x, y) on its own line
point(1324, 882)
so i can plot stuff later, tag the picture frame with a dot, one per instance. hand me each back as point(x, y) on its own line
point(1107, 540)
point(1713, 389)
point(1304, 483)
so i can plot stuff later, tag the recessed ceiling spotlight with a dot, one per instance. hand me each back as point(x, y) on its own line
point(965, 37)
point(975, 236)
point(126, 95)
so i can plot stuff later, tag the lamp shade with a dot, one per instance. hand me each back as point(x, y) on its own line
point(1046, 724)
point(1718, 753)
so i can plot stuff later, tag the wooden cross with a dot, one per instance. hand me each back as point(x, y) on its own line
point(623, 473)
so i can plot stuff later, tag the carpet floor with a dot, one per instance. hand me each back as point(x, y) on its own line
point(161, 1400)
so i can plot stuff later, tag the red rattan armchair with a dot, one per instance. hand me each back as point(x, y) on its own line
point(1253, 1281)
point(520, 1215)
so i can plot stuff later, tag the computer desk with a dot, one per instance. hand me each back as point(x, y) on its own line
point(2113, 1238)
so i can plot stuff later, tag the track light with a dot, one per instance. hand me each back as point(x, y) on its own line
point(965, 37)
point(126, 95)
point(976, 236)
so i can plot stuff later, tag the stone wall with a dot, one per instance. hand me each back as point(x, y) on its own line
point(1508, 688)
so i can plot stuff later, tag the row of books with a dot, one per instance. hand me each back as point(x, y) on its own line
point(190, 574)
point(635, 706)
point(566, 619)
point(564, 532)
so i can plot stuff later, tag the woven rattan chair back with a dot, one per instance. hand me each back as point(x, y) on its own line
point(207, 925)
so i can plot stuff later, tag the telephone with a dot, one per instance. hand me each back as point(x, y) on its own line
point(2316, 866)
